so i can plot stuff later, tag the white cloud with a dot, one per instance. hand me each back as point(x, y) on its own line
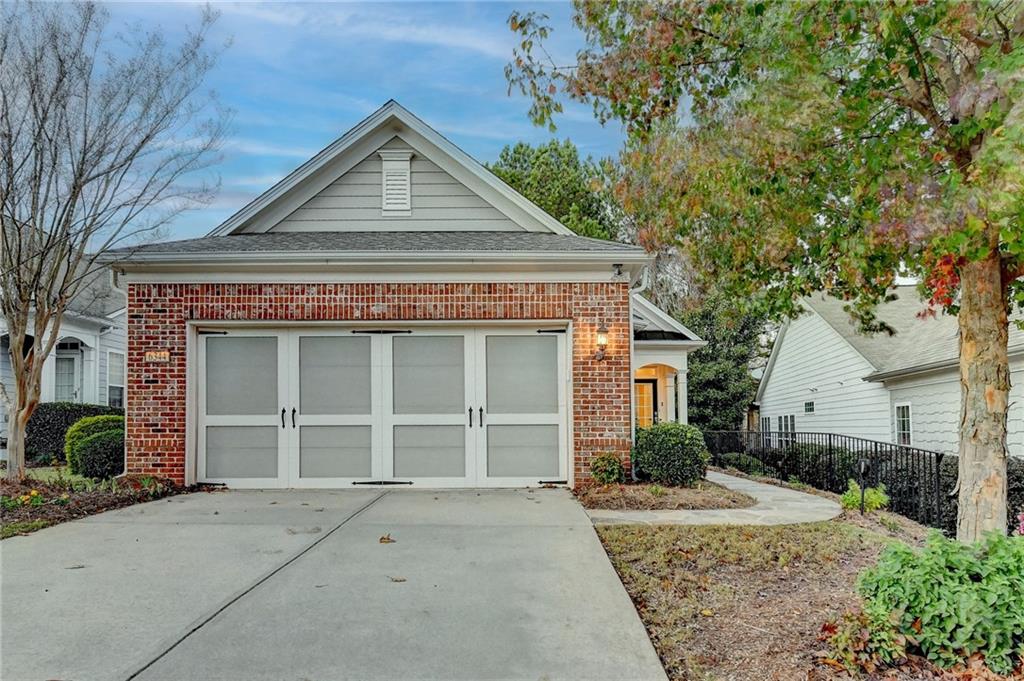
point(260, 148)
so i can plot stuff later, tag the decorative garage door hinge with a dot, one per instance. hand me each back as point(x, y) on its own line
point(384, 482)
point(382, 331)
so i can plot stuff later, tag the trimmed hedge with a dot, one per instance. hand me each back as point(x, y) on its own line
point(745, 463)
point(950, 470)
point(101, 455)
point(82, 429)
point(671, 453)
point(44, 437)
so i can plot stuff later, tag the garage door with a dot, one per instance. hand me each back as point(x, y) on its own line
point(437, 407)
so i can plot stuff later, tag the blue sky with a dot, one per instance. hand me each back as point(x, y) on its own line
point(298, 75)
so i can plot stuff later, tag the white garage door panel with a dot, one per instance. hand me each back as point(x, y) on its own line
point(333, 407)
point(335, 452)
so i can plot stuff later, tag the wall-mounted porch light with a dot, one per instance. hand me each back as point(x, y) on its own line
point(602, 342)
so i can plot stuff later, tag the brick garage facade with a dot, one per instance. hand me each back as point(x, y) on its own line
point(158, 315)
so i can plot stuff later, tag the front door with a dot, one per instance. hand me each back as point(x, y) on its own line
point(432, 407)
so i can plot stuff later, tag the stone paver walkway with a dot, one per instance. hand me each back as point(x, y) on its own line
point(775, 506)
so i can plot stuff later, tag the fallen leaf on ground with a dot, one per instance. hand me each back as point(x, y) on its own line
point(386, 539)
point(397, 579)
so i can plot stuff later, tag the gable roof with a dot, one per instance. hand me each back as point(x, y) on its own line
point(389, 121)
point(367, 245)
point(920, 343)
point(651, 323)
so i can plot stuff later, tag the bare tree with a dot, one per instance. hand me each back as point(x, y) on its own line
point(98, 131)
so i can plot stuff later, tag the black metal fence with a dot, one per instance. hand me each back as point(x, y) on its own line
point(827, 461)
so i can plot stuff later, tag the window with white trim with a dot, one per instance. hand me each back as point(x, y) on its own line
point(766, 424)
point(115, 379)
point(904, 427)
point(808, 407)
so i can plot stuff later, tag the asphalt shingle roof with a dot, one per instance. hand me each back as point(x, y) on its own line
point(426, 242)
point(919, 340)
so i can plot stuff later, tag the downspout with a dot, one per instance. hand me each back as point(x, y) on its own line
point(645, 281)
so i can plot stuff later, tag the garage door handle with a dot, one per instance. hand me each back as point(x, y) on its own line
point(470, 417)
point(293, 417)
point(282, 417)
point(481, 416)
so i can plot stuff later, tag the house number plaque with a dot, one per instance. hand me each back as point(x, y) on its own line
point(158, 356)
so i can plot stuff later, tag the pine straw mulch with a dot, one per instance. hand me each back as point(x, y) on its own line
point(748, 603)
point(704, 495)
point(22, 511)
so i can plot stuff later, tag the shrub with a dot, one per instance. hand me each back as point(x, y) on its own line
point(607, 469)
point(671, 453)
point(949, 471)
point(875, 498)
point(954, 600)
point(818, 465)
point(101, 455)
point(745, 463)
point(865, 640)
point(82, 429)
point(44, 437)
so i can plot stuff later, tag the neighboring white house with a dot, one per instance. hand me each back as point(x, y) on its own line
point(825, 376)
point(88, 363)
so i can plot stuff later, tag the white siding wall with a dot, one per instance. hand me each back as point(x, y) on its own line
point(815, 364)
point(934, 400)
point(113, 340)
point(353, 203)
point(7, 377)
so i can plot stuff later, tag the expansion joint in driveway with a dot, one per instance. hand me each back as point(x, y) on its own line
point(254, 585)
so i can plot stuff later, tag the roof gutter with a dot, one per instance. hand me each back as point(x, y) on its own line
point(880, 376)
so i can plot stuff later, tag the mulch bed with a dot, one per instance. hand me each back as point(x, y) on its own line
point(704, 495)
point(20, 513)
point(748, 603)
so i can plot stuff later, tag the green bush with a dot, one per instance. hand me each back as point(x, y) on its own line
point(607, 469)
point(866, 640)
point(101, 455)
point(949, 471)
point(44, 437)
point(82, 429)
point(671, 453)
point(953, 600)
point(875, 498)
point(745, 463)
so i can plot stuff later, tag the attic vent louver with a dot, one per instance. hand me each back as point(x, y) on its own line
point(396, 180)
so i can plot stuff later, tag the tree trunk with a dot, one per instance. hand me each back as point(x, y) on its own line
point(984, 393)
point(16, 445)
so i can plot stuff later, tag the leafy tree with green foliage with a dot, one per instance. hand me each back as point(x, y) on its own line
point(720, 387)
point(833, 146)
point(553, 176)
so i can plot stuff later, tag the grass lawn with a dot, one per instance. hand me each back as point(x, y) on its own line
point(704, 495)
point(746, 603)
point(22, 527)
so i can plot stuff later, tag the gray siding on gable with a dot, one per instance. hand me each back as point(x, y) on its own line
point(353, 203)
point(813, 363)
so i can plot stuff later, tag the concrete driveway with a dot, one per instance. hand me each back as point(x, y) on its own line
point(507, 584)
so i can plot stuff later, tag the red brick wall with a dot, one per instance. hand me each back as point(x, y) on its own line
point(158, 313)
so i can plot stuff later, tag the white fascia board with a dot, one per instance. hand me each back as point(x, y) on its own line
point(361, 141)
point(686, 346)
point(772, 358)
point(658, 316)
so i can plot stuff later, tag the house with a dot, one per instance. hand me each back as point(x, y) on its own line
point(825, 376)
point(88, 363)
point(391, 312)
